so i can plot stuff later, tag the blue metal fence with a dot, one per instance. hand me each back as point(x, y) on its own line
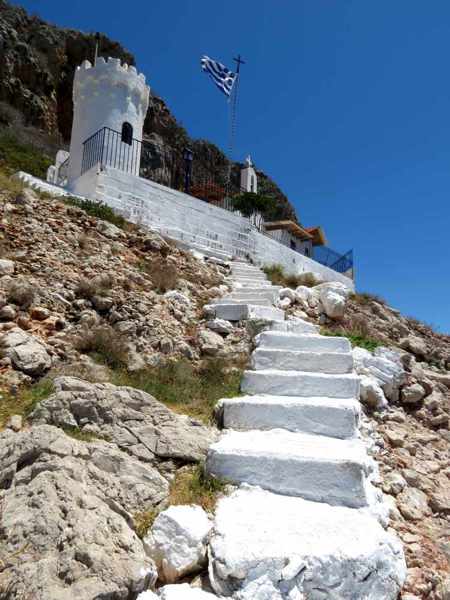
point(328, 257)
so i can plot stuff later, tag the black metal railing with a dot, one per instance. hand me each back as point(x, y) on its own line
point(342, 263)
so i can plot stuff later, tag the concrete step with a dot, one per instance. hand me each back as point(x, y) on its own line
point(242, 269)
point(300, 383)
point(293, 360)
point(311, 343)
point(295, 326)
point(231, 311)
point(318, 468)
point(269, 546)
point(323, 416)
point(206, 251)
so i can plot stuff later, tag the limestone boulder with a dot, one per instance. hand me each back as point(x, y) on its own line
point(26, 352)
point(210, 342)
point(179, 297)
point(6, 267)
point(177, 541)
point(333, 304)
point(303, 293)
point(220, 326)
point(66, 517)
point(414, 344)
point(413, 504)
point(384, 365)
point(288, 293)
point(109, 230)
point(131, 419)
point(371, 393)
point(412, 394)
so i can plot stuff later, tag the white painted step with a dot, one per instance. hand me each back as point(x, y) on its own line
point(293, 360)
point(270, 547)
point(311, 343)
point(239, 312)
point(295, 326)
point(252, 283)
point(300, 383)
point(318, 468)
point(323, 416)
point(244, 293)
point(255, 300)
point(250, 277)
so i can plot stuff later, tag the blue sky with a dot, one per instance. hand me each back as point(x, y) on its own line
point(345, 103)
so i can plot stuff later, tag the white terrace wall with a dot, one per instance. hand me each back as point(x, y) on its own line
point(192, 221)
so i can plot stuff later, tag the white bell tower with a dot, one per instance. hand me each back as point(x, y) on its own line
point(107, 97)
point(249, 181)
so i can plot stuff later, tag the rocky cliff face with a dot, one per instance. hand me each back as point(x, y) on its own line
point(36, 76)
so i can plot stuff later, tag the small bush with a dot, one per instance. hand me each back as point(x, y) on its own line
point(104, 344)
point(17, 156)
point(97, 286)
point(186, 389)
point(97, 209)
point(277, 276)
point(21, 293)
point(163, 274)
point(84, 242)
point(82, 436)
point(365, 298)
point(143, 521)
point(195, 486)
point(9, 186)
point(25, 401)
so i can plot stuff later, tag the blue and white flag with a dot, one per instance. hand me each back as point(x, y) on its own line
point(222, 77)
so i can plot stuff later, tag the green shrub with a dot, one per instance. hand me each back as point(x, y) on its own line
point(17, 156)
point(143, 521)
point(97, 209)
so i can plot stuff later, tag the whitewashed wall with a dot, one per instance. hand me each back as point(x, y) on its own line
point(195, 222)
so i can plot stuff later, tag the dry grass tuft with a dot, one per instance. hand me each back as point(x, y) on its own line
point(143, 521)
point(164, 275)
point(22, 294)
point(97, 286)
point(25, 401)
point(365, 298)
point(277, 276)
point(104, 344)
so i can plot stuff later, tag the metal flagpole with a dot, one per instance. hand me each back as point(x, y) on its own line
point(232, 116)
point(97, 44)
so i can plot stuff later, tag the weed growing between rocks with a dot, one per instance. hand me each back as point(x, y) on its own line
point(82, 436)
point(98, 210)
point(184, 388)
point(277, 276)
point(365, 298)
point(24, 401)
point(192, 485)
point(143, 521)
point(22, 294)
point(97, 286)
point(356, 337)
point(9, 187)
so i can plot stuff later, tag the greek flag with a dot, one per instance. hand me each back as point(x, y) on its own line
point(222, 77)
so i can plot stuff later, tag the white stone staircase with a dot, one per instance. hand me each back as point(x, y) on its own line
point(295, 436)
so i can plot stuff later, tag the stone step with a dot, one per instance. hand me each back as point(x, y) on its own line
point(242, 269)
point(300, 383)
point(252, 284)
point(318, 468)
point(239, 312)
point(250, 277)
point(310, 343)
point(295, 326)
point(269, 546)
point(244, 293)
point(323, 416)
point(255, 300)
point(293, 360)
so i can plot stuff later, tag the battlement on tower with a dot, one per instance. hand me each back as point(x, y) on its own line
point(105, 76)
